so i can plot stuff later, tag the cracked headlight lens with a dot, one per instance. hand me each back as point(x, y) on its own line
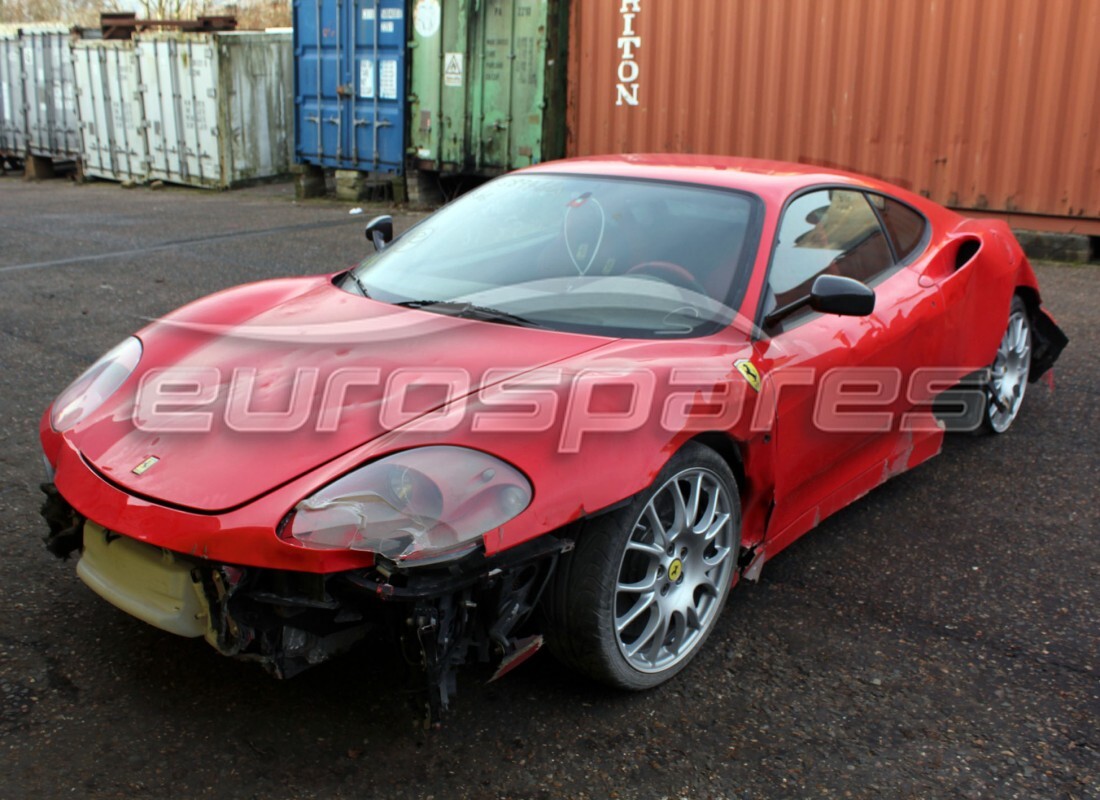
point(423, 505)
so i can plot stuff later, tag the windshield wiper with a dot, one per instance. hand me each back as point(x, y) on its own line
point(358, 283)
point(470, 311)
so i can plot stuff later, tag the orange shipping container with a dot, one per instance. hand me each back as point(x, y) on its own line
point(979, 104)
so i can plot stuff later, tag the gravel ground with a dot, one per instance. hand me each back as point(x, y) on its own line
point(938, 639)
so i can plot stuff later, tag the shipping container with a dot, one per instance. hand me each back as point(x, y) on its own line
point(218, 106)
point(13, 118)
point(112, 120)
point(977, 105)
point(349, 84)
point(48, 91)
point(488, 84)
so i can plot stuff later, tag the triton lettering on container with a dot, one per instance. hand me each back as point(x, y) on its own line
point(112, 120)
point(13, 119)
point(218, 106)
point(349, 84)
point(488, 84)
point(990, 107)
point(48, 91)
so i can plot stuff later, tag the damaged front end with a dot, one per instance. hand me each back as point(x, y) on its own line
point(441, 616)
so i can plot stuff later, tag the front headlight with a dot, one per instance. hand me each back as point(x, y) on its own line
point(423, 505)
point(98, 382)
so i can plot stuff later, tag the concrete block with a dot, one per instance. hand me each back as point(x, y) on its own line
point(1045, 246)
point(350, 184)
point(37, 168)
point(309, 181)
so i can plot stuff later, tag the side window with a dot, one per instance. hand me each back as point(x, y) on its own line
point(904, 226)
point(832, 231)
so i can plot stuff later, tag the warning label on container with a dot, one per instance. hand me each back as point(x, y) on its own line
point(452, 69)
point(387, 13)
point(426, 17)
point(366, 78)
point(387, 79)
point(387, 27)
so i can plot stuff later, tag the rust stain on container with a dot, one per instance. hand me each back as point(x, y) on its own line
point(976, 104)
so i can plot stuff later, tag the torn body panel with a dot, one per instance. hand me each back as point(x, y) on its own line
point(471, 610)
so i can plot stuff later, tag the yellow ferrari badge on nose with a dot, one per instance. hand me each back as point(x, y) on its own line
point(145, 465)
point(749, 372)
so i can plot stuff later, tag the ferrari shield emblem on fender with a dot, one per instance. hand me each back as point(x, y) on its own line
point(145, 465)
point(749, 372)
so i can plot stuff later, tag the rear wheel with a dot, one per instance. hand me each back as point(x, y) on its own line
point(637, 598)
point(1009, 372)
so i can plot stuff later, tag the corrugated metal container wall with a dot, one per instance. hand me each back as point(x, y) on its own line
point(217, 106)
point(52, 127)
point(257, 80)
point(112, 121)
point(437, 94)
point(488, 84)
point(517, 61)
point(13, 118)
point(975, 104)
point(349, 84)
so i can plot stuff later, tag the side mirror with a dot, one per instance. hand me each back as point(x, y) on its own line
point(380, 231)
point(830, 294)
point(835, 294)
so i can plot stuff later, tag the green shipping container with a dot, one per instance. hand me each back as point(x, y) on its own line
point(487, 84)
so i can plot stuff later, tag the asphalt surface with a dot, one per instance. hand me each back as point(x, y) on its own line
point(940, 638)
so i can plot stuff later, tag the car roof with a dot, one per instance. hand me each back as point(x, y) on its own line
point(772, 180)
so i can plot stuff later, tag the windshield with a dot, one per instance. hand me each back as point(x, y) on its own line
point(599, 255)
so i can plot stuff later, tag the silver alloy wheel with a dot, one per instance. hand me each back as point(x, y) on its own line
point(675, 571)
point(1009, 373)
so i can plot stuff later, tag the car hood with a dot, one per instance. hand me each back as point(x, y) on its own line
point(283, 376)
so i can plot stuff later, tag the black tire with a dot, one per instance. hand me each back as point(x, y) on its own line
point(586, 596)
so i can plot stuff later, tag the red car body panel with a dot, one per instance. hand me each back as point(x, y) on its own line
point(316, 332)
point(223, 498)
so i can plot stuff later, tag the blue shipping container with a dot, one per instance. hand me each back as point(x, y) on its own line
point(349, 84)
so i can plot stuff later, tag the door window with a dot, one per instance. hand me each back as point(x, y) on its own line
point(904, 225)
point(827, 232)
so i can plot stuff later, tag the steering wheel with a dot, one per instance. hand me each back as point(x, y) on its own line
point(670, 273)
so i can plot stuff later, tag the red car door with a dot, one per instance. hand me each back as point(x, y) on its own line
point(840, 386)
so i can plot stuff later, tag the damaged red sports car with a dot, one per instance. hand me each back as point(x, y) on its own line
point(576, 406)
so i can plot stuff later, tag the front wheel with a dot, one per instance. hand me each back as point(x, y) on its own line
point(637, 598)
point(1008, 374)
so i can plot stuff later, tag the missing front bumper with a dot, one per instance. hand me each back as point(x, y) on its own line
point(440, 617)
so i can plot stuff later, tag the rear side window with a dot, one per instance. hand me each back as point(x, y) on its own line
point(904, 226)
point(832, 231)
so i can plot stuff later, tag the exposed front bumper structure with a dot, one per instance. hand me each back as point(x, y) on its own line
point(473, 609)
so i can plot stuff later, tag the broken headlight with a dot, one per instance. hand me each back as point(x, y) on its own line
point(417, 506)
point(98, 382)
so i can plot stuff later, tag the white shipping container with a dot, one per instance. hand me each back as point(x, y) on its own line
point(13, 120)
point(112, 120)
point(49, 92)
point(218, 107)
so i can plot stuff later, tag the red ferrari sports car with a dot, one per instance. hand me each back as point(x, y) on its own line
point(576, 406)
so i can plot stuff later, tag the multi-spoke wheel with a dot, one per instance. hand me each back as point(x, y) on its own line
point(642, 590)
point(1009, 372)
